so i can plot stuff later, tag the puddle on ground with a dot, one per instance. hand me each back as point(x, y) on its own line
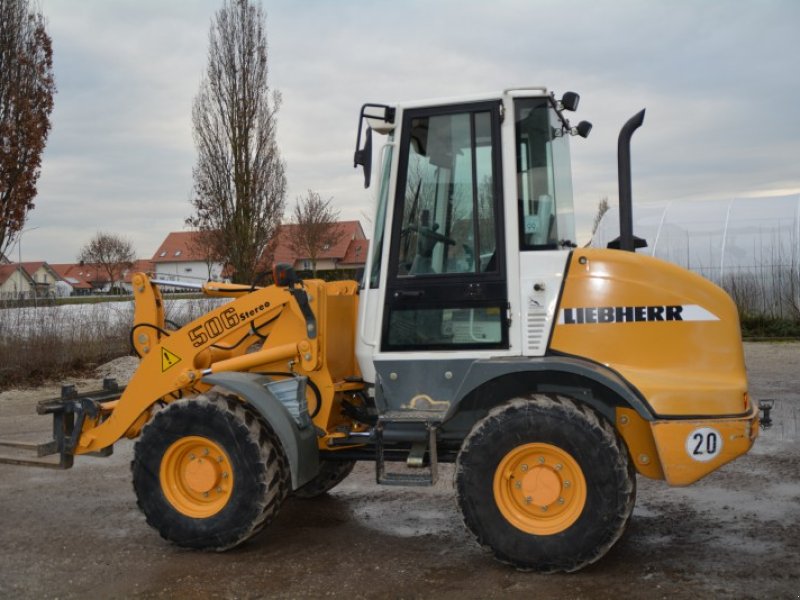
point(403, 520)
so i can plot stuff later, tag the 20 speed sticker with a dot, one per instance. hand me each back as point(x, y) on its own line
point(704, 444)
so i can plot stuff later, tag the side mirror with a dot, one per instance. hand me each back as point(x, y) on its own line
point(363, 157)
point(383, 122)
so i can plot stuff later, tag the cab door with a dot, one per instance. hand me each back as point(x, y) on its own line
point(446, 286)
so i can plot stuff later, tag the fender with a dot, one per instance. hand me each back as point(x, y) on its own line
point(447, 383)
point(484, 371)
point(299, 444)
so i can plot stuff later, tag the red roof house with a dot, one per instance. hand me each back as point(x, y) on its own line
point(356, 255)
point(85, 278)
point(349, 252)
point(82, 277)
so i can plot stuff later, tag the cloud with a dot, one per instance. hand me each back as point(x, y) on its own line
point(716, 78)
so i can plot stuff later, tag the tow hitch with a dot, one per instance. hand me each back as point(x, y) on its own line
point(765, 406)
point(69, 412)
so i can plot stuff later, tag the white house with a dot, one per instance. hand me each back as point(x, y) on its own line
point(43, 276)
point(14, 282)
point(180, 257)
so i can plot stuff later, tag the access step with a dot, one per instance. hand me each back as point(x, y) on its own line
point(417, 428)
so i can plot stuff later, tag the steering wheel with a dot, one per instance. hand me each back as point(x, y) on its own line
point(430, 232)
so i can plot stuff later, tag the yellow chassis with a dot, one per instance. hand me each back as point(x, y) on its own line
point(262, 329)
point(678, 449)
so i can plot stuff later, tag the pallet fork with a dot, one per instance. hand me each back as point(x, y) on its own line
point(69, 412)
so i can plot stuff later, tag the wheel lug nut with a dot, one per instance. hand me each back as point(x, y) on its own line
point(559, 466)
point(225, 475)
point(544, 509)
point(561, 501)
point(192, 457)
point(528, 500)
point(205, 452)
point(541, 460)
point(219, 490)
point(518, 485)
point(205, 494)
point(219, 459)
point(566, 484)
point(524, 468)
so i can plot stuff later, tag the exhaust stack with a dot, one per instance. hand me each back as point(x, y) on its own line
point(626, 240)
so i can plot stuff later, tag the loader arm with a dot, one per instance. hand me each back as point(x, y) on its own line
point(174, 362)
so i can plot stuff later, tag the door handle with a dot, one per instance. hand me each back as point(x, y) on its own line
point(409, 293)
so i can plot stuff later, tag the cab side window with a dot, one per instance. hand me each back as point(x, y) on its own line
point(446, 285)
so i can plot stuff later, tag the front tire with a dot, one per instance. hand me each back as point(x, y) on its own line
point(208, 473)
point(545, 483)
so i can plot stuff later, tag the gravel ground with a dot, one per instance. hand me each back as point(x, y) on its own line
point(78, 533)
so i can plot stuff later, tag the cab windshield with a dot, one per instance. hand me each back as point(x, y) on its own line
point(544, 179)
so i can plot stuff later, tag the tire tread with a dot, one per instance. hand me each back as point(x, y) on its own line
point(612, 445)
point(272, 474)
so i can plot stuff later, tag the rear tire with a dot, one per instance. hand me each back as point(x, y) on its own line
point(545, 483)
point(331, 474)
point(208, 473)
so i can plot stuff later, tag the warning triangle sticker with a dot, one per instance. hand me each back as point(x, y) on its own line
point(168, 359)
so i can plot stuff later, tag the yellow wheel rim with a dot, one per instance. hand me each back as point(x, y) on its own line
point(196, 477)
point(540, 489)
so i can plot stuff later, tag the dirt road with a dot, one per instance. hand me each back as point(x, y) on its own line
point(735, 534)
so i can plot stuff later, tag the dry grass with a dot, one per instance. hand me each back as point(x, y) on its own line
point(38, 345)
point(46, 343)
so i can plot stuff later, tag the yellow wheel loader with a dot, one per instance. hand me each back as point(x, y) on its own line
point(480, 335)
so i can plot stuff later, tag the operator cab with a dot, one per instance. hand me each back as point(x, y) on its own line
point(466, 188)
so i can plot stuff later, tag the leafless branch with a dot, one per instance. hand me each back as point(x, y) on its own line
point(239, 179)
point(315, 228)
point(110, 253)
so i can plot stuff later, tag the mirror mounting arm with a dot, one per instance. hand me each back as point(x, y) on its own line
point(363, 155)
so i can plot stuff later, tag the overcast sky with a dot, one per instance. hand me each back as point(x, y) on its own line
point(718, 78)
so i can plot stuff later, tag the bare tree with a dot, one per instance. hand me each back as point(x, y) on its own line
point(602, 208)
point(239, 180)
point(26, 101)
point(109, 253)
point(315, 228)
